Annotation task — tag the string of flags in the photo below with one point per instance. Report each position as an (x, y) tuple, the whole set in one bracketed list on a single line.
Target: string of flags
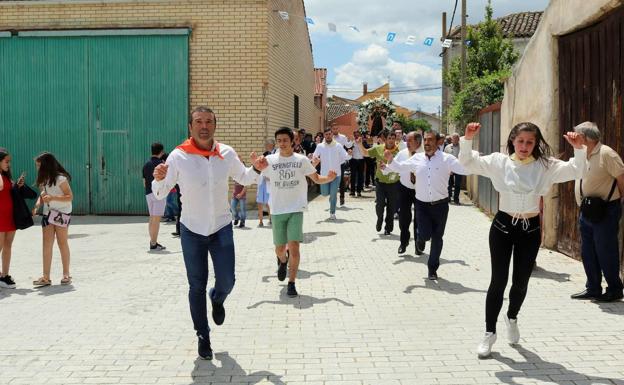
[(391, 37)]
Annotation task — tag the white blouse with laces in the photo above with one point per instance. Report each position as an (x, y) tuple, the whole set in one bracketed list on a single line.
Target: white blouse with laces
[(521, 183)]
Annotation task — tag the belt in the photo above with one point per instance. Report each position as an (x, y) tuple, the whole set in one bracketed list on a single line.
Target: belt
[(445, 200)]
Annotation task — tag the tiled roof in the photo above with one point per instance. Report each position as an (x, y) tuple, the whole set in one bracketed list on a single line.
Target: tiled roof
[(338, 106), (516, 25), (320, 79)]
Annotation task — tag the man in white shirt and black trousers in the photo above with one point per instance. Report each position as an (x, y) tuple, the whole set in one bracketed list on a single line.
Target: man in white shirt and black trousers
[(407, 190), (432, 169), (201, 167), (347, 145)]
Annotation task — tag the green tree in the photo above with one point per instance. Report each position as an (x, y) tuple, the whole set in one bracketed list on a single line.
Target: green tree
[(490, 57), (410, 125)]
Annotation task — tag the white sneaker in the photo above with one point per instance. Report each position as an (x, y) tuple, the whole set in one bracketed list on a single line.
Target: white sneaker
[(513, 333), (485, 347), (332, 217)]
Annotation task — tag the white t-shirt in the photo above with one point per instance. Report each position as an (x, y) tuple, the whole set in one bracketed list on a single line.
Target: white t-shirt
[(287, 178), (332, 155), (55, 191)]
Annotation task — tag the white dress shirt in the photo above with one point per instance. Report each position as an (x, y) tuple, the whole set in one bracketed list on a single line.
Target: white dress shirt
[(343, 140), (402, 144), (332, 156), (432, 174), (404, 176), (204, 187), (521, 183)]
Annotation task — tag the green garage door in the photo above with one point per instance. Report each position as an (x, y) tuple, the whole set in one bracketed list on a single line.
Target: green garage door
[(97, 102)]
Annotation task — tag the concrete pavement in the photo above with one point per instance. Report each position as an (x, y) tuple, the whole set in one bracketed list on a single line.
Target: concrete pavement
[(365, 315)]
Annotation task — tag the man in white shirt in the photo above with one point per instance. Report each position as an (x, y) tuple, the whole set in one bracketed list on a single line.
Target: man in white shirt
[(455, 180), (331, 155), (356, 164), (347, 144), (407, 190), (287, 173), (397, 127), (431, 169), (201, 167)]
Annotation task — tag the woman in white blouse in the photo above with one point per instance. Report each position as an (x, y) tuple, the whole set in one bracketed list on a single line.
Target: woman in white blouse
[(521, 177)]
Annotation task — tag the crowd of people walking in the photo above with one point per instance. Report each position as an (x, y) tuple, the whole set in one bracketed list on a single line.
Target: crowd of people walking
[(415, 176)]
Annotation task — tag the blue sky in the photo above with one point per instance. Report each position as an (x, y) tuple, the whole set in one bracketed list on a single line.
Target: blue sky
[(353, 57)]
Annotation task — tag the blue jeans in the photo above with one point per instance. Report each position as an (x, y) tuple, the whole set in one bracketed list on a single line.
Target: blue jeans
[(431, 221), (239, 209), (195, 248), (331, 189), (599, 250)]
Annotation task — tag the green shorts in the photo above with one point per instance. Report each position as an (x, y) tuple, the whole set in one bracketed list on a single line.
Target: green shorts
[(287, 228)]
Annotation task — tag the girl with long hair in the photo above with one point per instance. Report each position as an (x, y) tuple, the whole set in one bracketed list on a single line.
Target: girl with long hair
[(7, 224), (522, 176), (56, 197)]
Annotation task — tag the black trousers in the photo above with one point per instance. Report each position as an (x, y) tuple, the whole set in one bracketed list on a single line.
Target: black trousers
[(407, 203), (357, 175), (369, 176), (507, 236), (341, 189), (431, 224), (386, 195), (454, 187)]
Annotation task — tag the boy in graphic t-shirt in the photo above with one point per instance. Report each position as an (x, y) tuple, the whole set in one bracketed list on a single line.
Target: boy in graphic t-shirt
[(287, 173)]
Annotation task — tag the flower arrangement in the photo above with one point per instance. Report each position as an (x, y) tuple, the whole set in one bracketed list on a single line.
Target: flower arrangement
[(374, 108)]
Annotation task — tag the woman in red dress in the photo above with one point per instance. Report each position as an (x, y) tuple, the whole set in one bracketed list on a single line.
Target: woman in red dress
[(7, 225)]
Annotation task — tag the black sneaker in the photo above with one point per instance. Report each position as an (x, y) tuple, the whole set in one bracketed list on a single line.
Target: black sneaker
[(292, 291), (176, 234), (242, 224), (157, 247), (433, 275), (282, 268), (379, 224), (235, 222), (204, 350), (218, 313), (359, 195), (7, 282)]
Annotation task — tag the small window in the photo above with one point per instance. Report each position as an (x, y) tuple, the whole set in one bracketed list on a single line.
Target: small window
[(296, 112)]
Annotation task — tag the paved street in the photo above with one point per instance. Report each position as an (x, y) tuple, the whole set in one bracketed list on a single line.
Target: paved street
[(365, 315)]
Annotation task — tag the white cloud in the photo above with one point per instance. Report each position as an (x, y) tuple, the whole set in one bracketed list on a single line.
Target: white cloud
[(374, 65)]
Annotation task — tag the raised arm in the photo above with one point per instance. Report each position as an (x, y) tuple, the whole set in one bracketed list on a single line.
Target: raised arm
[(574, 168), (247, 175), (165, 177), (470, 160)]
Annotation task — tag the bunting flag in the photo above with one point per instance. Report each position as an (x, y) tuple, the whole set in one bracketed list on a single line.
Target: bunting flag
[(391, 37)]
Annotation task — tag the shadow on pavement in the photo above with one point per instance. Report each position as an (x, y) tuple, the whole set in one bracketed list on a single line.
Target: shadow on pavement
[(301, 274), (55, 289), (345, 208), (314, 235), (76, 236), (612, 307), (382, 237), (442, 284), (206, 372), (299, 302), (508, 377), (6, 293), (337, 220), (540, 272), (423, 259)]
